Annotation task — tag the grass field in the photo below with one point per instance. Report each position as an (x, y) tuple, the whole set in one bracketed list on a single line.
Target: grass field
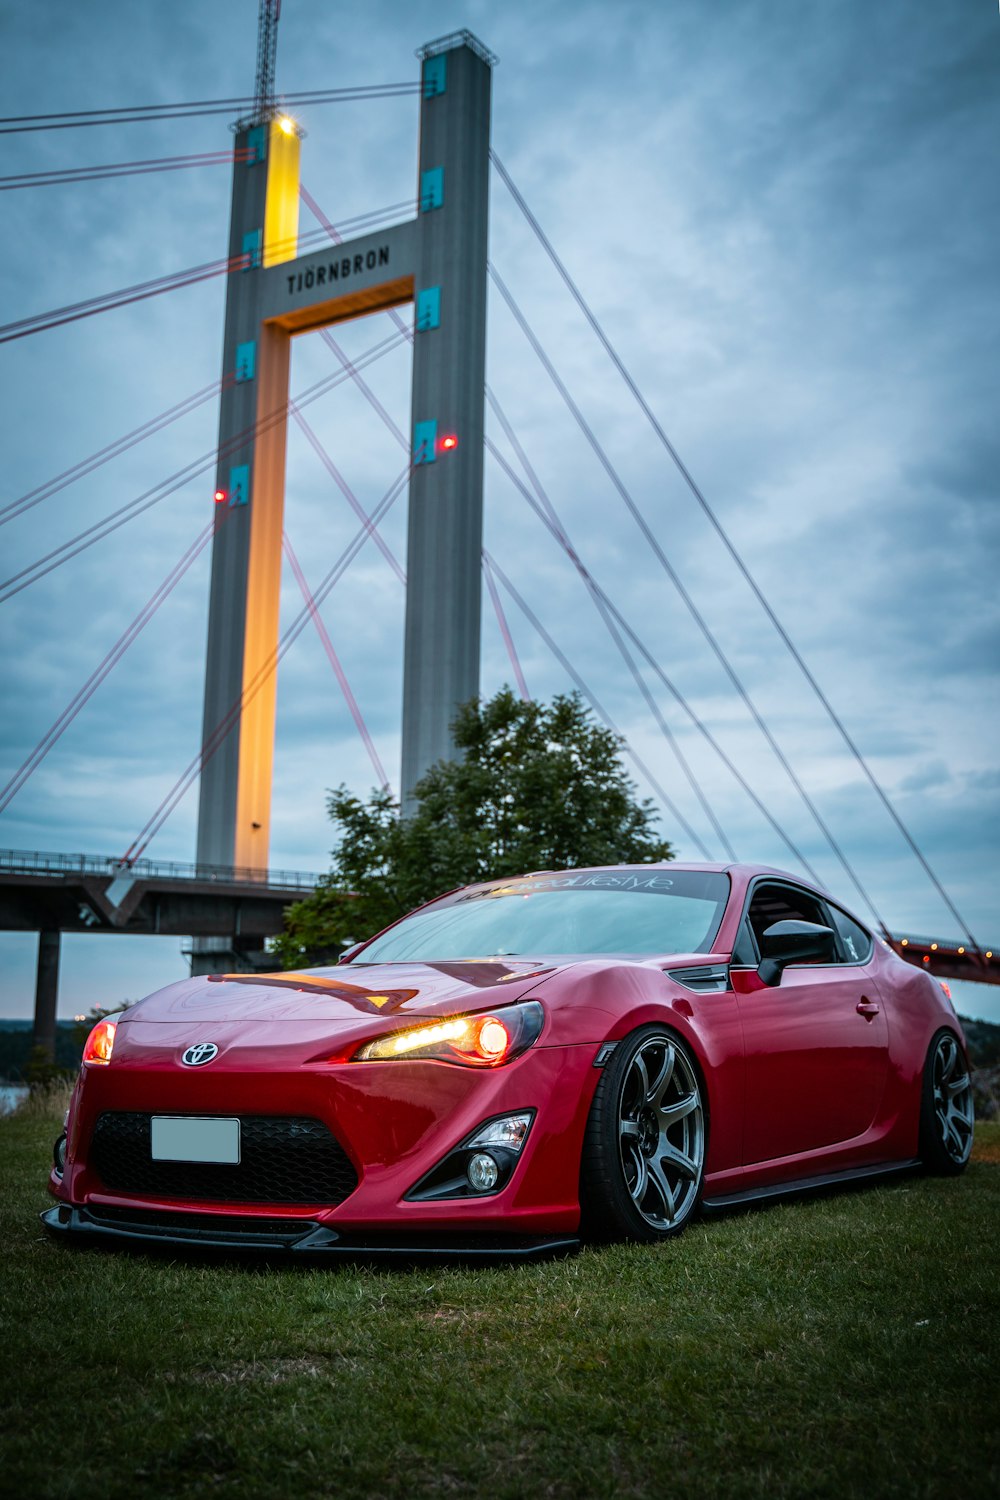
[(837, 1347)]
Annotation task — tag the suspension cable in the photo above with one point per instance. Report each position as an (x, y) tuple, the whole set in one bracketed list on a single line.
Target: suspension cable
[(559, 531), (97, 532), (142, 113), (263, 674), (103, 455), (174, 280), (377, 537), (655, 667), (59, 175), (322, 219), (318, 214), (55, 732), (674, 577), (39, 322), (595, 704), (346, 490), (494, 596), (101, 529), (393, 428), (335, 662), (362, 384), (730, 547), (508, 639)]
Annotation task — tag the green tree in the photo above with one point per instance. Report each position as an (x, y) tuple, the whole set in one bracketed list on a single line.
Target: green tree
[(536, 787)]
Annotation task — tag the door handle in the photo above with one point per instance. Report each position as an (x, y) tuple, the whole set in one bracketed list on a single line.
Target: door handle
[(867, 1008)]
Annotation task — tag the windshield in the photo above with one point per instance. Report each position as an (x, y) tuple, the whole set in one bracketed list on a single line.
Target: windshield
[(626, 911)]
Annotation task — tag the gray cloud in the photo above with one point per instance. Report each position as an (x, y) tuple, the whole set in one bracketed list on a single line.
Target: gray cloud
[(786, 217)]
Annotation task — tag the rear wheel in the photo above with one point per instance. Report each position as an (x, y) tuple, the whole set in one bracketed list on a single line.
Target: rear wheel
[(946, 1109), (644, 1150)]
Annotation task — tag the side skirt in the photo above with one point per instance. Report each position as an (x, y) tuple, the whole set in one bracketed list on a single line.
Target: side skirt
[(805, 1185)]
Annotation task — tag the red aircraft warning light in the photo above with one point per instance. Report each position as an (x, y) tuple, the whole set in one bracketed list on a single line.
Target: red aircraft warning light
[(221, 497), (449, 442)]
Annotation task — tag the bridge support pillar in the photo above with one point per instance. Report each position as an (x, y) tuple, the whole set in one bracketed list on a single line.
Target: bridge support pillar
[(445, 525), (47, 991), (437, 261), (238, 734)]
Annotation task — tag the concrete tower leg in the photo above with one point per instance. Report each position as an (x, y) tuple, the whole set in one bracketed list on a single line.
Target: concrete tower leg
[(238, 726), (231, 547), (445, 536)]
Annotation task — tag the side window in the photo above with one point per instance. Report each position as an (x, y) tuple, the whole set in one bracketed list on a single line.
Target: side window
[(855, 942), (781, 903)]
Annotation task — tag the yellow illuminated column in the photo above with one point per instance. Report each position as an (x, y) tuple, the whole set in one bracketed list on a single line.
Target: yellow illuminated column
[(281, 209), (267, 504)]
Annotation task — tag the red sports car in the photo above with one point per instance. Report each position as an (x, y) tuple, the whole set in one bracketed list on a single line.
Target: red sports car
[(516, 1065)]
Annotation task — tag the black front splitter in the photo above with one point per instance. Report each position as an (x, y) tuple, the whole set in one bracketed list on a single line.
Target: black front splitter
[(298, 1237)]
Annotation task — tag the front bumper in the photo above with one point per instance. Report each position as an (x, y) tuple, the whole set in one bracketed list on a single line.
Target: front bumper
[(299, 1237), (396, 1121)]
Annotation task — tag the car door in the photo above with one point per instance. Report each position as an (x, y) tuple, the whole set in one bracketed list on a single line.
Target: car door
[(817, 1042)]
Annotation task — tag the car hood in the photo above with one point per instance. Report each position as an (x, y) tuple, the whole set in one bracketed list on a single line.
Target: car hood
[(344, 993)]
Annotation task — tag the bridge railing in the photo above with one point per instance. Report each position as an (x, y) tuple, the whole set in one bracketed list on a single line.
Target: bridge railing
[(943, 945), (34, 862)]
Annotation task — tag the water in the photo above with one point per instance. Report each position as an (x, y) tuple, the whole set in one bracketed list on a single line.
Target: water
[(11, 1095), (980, 1002)]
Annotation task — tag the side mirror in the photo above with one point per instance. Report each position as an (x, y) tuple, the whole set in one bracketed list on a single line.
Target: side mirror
[(790, 942), (348, 953)]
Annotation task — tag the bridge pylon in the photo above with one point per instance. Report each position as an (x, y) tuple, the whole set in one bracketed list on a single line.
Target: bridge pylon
[(436, 261)]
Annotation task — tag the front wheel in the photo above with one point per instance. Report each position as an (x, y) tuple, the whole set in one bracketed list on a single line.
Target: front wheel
[(946, 1107), (644, 1150)]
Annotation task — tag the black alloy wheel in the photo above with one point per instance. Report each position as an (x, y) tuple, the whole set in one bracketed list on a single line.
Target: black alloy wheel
[(644, 1151), (946, 1109)]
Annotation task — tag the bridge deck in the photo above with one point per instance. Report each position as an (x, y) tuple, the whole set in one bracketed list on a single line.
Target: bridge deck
[(103, 896)]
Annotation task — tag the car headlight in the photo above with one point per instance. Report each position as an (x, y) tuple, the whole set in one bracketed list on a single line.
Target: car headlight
[(485, 1040), (100, 1042)]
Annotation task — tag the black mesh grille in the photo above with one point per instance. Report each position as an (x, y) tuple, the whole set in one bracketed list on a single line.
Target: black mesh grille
[(283, 1160)]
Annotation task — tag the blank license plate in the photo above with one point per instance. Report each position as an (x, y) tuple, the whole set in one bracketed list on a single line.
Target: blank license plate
[(192, 1139)]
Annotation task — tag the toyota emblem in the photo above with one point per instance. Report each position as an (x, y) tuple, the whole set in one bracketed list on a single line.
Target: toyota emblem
[(199, 1054)]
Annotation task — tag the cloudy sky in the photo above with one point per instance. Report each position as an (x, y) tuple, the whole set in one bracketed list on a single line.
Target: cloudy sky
[(784, 212)]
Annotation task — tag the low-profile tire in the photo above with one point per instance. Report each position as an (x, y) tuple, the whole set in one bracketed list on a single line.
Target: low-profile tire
[(643, 1163), (946, 1107)]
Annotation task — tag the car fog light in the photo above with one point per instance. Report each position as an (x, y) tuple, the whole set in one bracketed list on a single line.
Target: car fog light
[(482, 1172), (59, 1154), (482, 1163)]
